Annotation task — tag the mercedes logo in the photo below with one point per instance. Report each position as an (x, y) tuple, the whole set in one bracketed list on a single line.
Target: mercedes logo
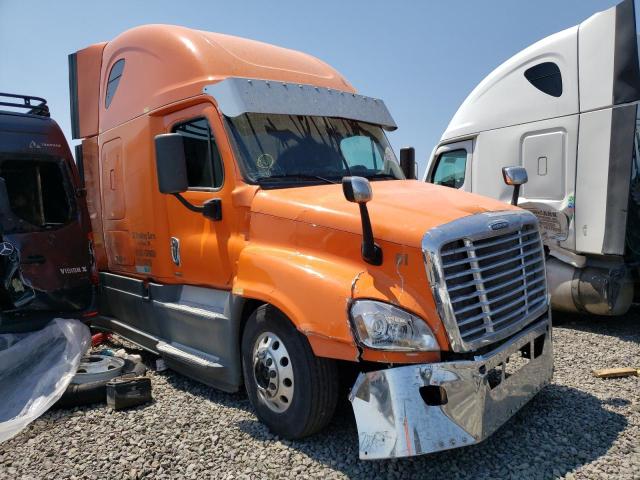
[(6, 249)]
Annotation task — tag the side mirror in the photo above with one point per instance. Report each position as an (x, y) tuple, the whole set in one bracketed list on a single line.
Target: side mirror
[(171, 167), (358, 190), (171, 164), (515, 176), (408, 162)]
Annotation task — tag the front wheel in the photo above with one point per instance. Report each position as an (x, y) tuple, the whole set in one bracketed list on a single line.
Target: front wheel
[(292, 391)]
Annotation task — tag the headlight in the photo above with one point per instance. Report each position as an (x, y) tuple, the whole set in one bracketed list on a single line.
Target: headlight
[(385, 327)]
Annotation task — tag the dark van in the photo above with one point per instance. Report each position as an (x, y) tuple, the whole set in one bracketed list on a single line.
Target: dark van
[(44, 218)]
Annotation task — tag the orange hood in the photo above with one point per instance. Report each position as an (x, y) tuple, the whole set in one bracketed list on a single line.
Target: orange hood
[(401, 211)]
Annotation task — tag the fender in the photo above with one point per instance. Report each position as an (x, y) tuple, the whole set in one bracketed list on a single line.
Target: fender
[(312, 292), (320, 310)]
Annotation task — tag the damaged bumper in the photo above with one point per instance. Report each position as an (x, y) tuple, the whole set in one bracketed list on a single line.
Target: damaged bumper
[(418, 409)]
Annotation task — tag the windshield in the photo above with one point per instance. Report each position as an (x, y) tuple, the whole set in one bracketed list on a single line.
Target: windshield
[(287, 150), (38, 192)]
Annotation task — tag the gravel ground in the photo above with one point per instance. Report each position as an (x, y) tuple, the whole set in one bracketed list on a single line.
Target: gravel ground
[(578, 427)]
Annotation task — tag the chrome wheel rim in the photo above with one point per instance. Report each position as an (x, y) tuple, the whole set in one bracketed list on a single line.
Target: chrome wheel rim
[(272, 372), (98, 368)]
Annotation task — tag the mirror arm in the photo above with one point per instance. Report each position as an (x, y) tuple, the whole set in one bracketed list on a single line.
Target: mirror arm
[(516, 194), (371, 252), (189, 205), (211, 209), (515, 176)]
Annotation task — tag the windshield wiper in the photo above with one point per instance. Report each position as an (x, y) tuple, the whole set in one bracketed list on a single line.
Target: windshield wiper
[(299, 176), (382, 176)]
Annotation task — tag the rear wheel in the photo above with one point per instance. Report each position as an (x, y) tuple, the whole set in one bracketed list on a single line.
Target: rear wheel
[(292, 391)]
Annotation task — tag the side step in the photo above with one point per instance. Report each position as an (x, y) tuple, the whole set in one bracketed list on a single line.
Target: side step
[(185, 354)]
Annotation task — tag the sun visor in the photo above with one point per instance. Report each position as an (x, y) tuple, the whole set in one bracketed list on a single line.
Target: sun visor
[(236, 96), (608, 57)]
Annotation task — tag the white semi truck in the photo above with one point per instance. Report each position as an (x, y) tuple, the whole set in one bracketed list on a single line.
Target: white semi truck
[(566, 109)]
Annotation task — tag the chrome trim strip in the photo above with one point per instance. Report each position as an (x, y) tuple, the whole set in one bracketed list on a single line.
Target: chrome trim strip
[(188, 355)]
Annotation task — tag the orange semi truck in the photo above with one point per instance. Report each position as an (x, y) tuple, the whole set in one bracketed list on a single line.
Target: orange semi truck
[(253, 227)]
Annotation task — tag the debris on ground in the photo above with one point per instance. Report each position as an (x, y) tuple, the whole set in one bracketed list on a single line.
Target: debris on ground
[(35, 370), (98, 338), (126, 392), (96, 370), (616, 372)]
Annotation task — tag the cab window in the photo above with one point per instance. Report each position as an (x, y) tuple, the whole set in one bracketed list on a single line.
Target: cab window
[(39, 194), (450, 168), (546, 77), (204, 165), (361, 151), (114, 80)]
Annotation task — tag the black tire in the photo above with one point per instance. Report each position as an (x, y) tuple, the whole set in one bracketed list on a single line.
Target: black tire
[(78, 394), (315, 379)]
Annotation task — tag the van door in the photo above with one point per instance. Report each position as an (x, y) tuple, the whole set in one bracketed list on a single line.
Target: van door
[(48, 231), (197, 246), (451, 165)]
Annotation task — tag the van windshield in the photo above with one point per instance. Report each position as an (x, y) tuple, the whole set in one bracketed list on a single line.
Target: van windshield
[(38, 190), (292, 150)]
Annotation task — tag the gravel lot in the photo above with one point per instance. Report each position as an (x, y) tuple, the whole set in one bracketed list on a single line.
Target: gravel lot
[(578, 427)]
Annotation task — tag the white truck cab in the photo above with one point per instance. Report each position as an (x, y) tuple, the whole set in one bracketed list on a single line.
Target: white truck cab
[(566, 109)]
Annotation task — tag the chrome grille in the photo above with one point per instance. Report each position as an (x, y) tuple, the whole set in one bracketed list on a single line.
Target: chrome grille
[(488, 282)]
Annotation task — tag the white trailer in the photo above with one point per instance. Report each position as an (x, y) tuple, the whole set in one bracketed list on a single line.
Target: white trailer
[(566, 109)]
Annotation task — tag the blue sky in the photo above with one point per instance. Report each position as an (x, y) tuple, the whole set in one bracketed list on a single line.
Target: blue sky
[(421, 57)]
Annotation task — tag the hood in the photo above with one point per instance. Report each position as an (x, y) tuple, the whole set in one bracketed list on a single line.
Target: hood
[(401, 211)]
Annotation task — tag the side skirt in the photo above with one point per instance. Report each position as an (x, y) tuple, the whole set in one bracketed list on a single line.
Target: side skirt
[(191, 328)]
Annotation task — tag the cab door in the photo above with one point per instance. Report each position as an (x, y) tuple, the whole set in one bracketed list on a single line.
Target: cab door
[(451, 165), (197, 246)]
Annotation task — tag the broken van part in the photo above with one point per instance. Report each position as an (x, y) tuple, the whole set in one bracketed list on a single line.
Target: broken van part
[(254, 228), (574, 129)]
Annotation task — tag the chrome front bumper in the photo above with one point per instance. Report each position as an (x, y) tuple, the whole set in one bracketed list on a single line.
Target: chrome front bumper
[(394, 420)]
